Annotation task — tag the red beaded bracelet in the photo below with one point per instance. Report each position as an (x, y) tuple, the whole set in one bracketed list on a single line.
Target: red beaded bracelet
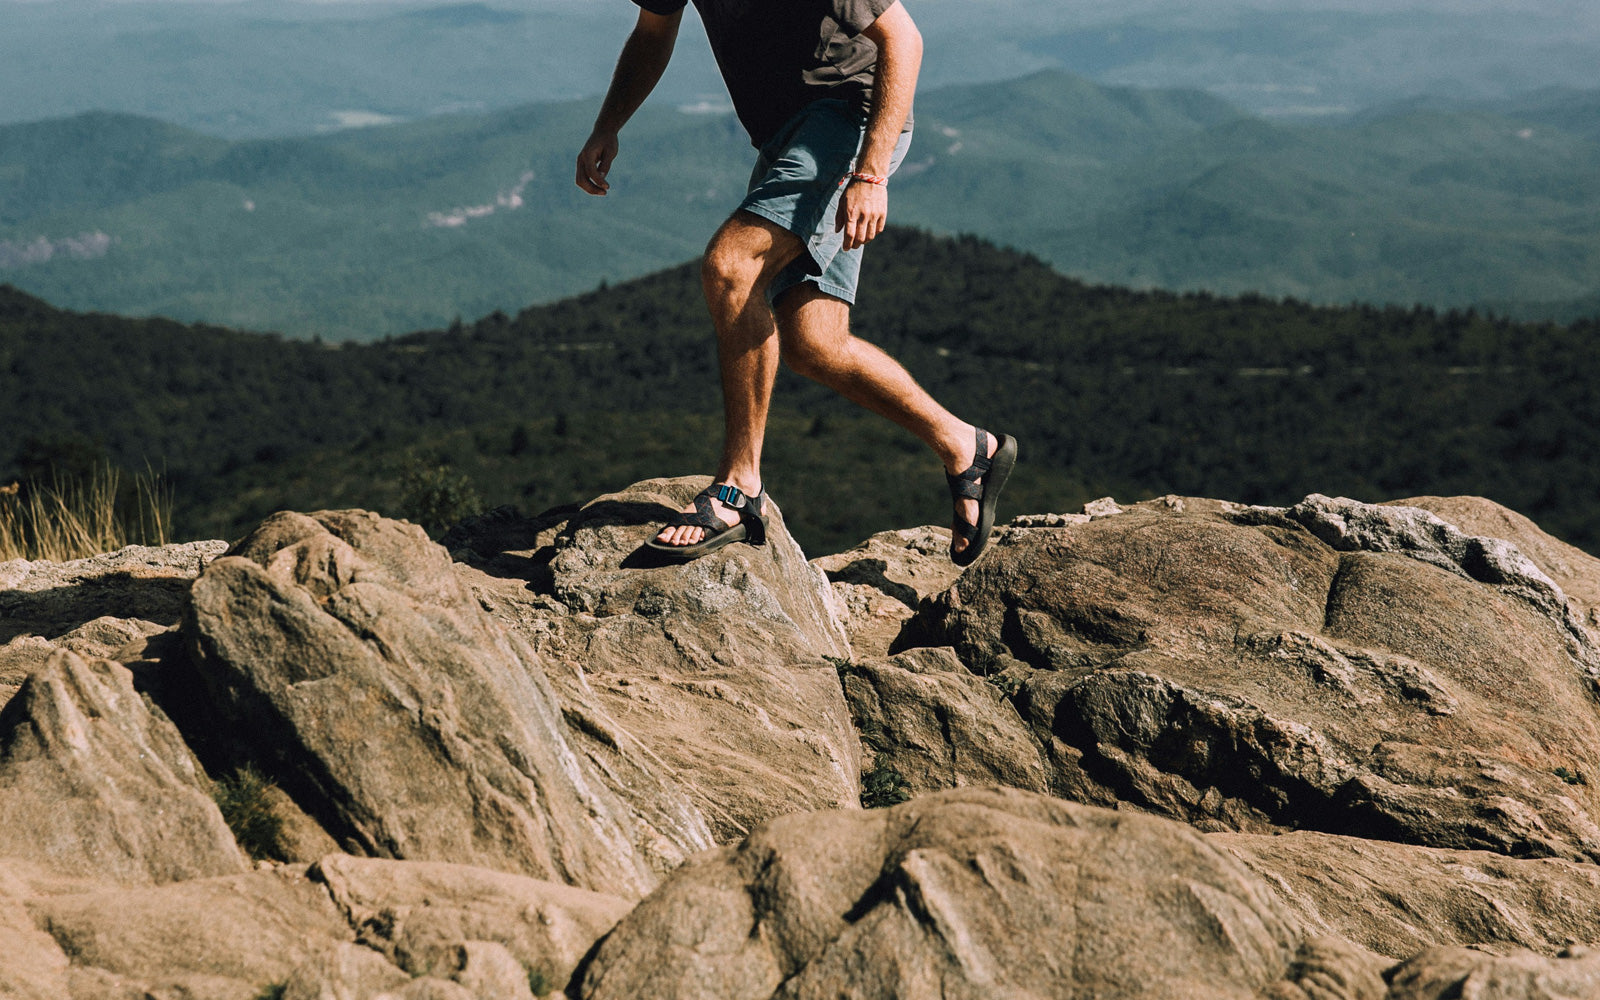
[(868, 178)]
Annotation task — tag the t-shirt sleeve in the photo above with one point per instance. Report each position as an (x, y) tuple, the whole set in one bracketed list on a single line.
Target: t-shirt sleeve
[(855, 16), (662, 6)]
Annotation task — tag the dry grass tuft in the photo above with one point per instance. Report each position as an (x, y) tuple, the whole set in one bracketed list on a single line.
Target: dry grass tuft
[(76, 518)]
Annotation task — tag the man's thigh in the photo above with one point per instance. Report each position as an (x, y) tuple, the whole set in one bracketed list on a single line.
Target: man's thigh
[(748, 239)]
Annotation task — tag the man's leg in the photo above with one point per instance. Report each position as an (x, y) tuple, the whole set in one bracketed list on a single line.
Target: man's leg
[(742, 258), (814, 333)]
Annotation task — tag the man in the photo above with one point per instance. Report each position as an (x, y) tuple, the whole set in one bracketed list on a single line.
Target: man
[(824, 88)]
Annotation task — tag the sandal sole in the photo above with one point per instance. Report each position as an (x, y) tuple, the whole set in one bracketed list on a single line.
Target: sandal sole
[(1004, 460)]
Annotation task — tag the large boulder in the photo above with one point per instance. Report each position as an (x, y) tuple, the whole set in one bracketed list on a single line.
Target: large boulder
[(972, 893), (208, 939), (1399, 899), (1355, 669), (345, 654), (716, 675), (96, 782), (424, 916)]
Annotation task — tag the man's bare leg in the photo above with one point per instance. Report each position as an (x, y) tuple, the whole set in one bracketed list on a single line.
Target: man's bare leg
[(814, 333), (743, 257)]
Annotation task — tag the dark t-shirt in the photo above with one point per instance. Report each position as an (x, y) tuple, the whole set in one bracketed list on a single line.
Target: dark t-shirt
[(777, 56)]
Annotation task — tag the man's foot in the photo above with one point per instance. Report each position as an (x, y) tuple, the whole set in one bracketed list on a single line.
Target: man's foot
[(718, 515), (975, 492)]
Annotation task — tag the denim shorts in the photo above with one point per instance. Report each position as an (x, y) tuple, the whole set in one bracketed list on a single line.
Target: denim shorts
[(798, 184)]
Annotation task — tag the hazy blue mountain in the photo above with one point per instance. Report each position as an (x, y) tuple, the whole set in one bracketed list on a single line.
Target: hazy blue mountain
[(372, 231), (270, 67)]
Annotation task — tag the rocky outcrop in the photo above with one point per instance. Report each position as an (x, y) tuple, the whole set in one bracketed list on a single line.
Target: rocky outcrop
[(1340, 742), (1354, 669), (148, 584), (204, 938), (346, 653), (967, 893), (95, 782), (715, 676)]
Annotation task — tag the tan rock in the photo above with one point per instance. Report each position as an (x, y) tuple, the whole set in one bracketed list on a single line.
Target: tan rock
[(422, 914), (150, 584), (1398, 899), (968, 893), (208, 938), (1575, 571), (924, 717), (1361, 670), (880, 582), (713, 677), (95, 782), (347, 654), (346, 972), (1451, 973), (32, 965)]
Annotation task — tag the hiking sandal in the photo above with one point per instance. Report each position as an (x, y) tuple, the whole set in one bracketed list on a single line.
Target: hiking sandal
[(993, 470), (752, 526)]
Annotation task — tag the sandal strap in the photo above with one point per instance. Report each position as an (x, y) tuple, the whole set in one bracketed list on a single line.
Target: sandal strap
[(965, 486), (704, 516)]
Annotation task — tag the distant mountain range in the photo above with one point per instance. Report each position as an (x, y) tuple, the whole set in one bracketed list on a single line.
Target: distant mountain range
[(263, 68), (380, 230)]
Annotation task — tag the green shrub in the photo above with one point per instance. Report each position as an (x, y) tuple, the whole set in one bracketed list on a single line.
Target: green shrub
[(436, 496), (245, 800), (883, 786)]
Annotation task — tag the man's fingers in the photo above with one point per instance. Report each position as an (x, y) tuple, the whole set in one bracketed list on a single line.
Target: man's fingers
[(594, 163)]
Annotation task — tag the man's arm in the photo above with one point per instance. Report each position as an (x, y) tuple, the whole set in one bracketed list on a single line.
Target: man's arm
[(865, 207), (644, 58)]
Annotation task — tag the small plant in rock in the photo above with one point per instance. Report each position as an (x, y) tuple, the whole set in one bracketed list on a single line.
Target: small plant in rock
[(883, 786), (245, 800), (436, 496), (1007, 684), (1570, 777), (539, 982), (273, 991)]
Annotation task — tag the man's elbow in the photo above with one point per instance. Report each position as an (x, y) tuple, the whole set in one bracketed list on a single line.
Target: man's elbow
[(896, 32)]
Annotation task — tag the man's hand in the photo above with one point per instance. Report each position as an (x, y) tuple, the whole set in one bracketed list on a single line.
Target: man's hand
[(595, 161), (863, 212)]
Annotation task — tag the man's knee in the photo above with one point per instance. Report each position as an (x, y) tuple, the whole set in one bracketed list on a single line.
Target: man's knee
[(813, 330), (728, 266), (746, 253)]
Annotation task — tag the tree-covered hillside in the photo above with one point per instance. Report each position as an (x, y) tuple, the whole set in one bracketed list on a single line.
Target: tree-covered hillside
[(1110, 391), (384, 230)]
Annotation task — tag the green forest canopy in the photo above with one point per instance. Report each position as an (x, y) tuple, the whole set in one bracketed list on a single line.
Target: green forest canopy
[(1111, 391)]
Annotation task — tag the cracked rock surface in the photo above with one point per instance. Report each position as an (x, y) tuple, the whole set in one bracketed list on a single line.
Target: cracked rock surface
[(1349, 668), (967, 893)]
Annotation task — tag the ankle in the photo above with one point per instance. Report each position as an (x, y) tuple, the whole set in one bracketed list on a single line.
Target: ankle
[(956, 448), (748, 484)]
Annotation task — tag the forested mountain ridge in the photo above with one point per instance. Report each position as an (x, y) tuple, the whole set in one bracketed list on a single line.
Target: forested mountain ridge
[(387, 229), (1111, 391)]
